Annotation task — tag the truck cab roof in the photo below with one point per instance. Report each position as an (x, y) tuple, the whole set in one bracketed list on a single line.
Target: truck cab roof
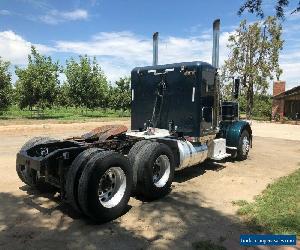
[(189, 65)]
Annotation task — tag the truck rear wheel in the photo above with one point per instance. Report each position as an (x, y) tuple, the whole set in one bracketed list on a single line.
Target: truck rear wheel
[(74, 175), (30, 176), (244, 146), (156, 166), (132, 156), (105, 186)]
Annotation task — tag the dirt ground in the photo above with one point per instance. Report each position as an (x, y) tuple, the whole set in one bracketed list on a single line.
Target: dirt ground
[(198, 208)]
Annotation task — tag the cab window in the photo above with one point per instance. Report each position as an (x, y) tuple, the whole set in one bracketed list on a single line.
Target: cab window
[(208, 80)]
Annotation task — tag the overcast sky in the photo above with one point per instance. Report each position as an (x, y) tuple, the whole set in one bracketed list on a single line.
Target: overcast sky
[(119, 32)]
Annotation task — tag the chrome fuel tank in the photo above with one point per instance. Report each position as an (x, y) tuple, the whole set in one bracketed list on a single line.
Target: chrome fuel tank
[(191, 153)]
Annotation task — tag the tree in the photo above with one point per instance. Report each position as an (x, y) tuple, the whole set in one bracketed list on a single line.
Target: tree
[(87, 84), (5, 85), (254, 57), (37, 84), (255, 6), (63, 95), (121, 95), (262, 106)]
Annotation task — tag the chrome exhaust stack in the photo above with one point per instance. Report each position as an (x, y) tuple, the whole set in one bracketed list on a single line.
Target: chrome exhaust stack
[(155, 48), (216, 35)]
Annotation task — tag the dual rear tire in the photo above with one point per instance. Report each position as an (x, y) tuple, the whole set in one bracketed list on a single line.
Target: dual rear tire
[(99, 184), (153, 169)]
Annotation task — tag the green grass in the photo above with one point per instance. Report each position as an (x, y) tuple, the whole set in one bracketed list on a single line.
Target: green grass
[(61, 113), (255, 117), (277, 209), (239, 203)]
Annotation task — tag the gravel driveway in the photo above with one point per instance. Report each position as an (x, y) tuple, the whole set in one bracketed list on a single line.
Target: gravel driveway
[(198, 208)]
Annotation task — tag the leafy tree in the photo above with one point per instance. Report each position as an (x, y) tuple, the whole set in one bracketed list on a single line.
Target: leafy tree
[(5, 85), (86, 82), (254, 57), (110, 97), (121, 94), (38, 82), (226, 84), (63, 96), (262, 106), (262, 103), (255, 6)]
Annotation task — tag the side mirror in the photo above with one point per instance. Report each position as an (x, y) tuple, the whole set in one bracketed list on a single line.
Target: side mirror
[(236, 88)]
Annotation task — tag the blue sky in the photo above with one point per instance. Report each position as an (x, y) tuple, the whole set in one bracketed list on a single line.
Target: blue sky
[(119, 32)]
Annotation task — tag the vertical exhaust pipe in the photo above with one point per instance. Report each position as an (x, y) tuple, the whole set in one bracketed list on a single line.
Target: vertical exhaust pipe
[(216, 35), (155, 48)]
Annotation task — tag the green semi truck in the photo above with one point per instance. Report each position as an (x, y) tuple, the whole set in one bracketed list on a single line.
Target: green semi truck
[(178, 120)]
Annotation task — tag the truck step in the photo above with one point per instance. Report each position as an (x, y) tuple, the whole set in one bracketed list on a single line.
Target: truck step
[(220, 156)]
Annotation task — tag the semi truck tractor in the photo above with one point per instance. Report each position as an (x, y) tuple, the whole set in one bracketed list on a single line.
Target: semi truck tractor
[(178, 120)]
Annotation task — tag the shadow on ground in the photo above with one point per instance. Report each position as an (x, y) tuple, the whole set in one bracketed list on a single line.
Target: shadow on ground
[(178, 221), (198, 170)]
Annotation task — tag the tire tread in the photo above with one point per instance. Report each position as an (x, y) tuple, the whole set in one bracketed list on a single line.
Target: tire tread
[(74, 175), (143, 158), (86, 178)]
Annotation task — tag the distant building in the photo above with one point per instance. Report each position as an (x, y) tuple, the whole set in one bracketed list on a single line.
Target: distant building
[(285, 103)]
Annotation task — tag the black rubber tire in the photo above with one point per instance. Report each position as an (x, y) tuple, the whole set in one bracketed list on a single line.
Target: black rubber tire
[(240, 154), (132, 156), (30, 176), (20, 173), (35, 141), (89, 183), (144, 162), (74, 175)]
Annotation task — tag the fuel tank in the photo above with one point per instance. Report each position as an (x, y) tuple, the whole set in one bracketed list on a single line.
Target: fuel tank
[(191, 154)]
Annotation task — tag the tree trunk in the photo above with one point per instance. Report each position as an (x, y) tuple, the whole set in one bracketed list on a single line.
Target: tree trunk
[(249, 108)]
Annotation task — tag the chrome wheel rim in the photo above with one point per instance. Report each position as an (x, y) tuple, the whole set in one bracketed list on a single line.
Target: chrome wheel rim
[(112, 186), (245, 146), (161, 171)]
